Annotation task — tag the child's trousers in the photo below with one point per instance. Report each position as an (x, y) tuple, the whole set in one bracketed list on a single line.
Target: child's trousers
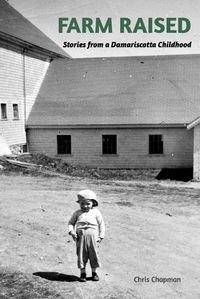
[(87, 247)]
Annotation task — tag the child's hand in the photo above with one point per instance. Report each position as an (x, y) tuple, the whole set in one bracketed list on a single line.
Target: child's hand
[(74, 235), (99, 240)]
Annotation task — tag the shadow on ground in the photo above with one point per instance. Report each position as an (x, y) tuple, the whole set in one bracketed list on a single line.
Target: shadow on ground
[(56, 276), (178, 174)]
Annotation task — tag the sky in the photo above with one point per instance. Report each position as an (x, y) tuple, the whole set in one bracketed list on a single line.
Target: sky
[(45, 14)]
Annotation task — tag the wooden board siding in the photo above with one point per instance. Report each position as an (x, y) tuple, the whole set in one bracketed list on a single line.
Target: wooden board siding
[(34, 75), (132, 147), (12, 90), (196, 154)]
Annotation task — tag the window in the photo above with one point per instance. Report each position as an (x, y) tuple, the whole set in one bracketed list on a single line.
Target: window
[(155, 144), (3, 111), (15, 111), (109, 144), (63, 144)]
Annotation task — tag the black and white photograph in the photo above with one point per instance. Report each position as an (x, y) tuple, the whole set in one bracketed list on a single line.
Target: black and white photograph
[(99, 149)]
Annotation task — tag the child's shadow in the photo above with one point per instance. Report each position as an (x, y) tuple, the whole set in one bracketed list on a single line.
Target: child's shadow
[(56, 276)]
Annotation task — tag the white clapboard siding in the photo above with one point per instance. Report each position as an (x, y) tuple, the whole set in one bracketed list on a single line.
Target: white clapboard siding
[(132, 147), (35, 73), (196, 155), (13, 72)]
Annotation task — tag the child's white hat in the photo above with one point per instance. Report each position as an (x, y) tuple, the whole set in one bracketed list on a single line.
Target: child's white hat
[(88, 194)]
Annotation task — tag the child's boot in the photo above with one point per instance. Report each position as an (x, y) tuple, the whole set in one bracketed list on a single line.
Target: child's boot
[(82, 277), (95, 277)]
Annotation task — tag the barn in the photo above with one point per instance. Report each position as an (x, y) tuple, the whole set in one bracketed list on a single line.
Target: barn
[(126, 112)]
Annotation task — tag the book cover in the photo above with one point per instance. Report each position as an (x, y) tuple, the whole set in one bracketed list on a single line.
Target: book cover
[(101, 96)]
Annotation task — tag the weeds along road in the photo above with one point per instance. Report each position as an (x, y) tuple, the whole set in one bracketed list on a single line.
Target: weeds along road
[(152, 234)]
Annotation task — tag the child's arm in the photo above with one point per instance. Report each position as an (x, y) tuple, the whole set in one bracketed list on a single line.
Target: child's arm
[(71, 225), (101, 225)]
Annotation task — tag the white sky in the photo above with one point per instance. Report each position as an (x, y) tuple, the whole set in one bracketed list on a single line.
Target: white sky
[(45, 13)]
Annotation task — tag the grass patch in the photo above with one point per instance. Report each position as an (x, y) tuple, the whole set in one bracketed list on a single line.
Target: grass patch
[(17, 285)]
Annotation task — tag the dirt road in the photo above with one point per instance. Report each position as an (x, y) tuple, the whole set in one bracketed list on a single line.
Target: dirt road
[(152, 234)]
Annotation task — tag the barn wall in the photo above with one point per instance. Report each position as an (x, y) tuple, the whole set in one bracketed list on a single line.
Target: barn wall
[(16, 70), (132, 147), (196, 155)]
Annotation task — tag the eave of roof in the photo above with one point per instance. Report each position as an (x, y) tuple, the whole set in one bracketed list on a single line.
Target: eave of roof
[(16, 44), (106, 126), (16, 28)]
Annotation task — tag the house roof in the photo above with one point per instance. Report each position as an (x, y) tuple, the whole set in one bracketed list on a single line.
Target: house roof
[(14, 25), (160, 90)]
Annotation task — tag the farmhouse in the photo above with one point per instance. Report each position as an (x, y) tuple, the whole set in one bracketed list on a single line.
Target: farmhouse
[(25, 54), (128, 112)]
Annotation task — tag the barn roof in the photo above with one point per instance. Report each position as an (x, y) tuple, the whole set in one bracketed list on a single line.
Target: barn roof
[(14, 25), (160, 90)]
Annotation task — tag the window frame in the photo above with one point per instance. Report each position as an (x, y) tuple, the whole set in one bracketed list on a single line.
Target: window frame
[(109, 149), (156, 147), (5, 111), (15, 117), (64, 144)]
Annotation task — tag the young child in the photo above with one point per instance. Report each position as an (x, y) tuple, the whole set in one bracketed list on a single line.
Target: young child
[(86, 226)]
